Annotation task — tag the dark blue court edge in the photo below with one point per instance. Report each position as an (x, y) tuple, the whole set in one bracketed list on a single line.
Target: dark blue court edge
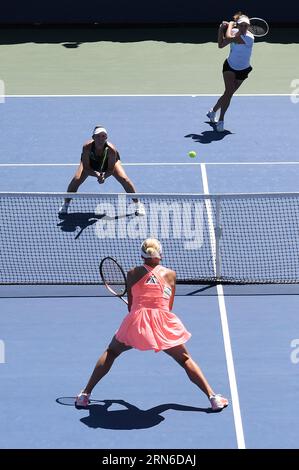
[(146, 458)]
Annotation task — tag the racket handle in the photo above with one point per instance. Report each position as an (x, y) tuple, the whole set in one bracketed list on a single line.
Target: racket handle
[(101, 176)]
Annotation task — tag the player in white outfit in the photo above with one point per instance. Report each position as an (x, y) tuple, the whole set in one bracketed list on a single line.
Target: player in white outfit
[(237, 66)]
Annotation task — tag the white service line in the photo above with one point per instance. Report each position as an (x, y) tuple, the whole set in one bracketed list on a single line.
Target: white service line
[(224, 324), (154, 164), (192, 95), (38, 164), (107, 96)]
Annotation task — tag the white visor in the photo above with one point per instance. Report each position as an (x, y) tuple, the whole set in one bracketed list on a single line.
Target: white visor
[(98, 130), (243, 19)]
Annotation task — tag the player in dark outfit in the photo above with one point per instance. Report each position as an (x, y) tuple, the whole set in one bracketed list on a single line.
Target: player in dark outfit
[(100, 159)]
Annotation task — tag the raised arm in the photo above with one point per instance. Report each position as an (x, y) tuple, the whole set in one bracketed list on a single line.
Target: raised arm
[(221, 35), (232, 36), (226, 35)]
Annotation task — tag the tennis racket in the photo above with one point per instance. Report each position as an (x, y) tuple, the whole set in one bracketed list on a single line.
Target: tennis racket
[(258, 27), (70, 401), (103, 163), (113, 277)]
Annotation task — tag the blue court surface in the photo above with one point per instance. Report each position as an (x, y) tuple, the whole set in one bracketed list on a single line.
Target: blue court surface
[(245, 341)]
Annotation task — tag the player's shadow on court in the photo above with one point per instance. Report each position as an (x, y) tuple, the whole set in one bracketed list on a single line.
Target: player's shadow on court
[(130, 417), (81, 220), (206, 137)]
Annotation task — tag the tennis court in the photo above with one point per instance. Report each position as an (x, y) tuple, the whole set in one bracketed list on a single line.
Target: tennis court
[(243, 337)]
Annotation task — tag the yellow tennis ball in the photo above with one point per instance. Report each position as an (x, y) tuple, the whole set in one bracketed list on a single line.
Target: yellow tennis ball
[(192, 154)]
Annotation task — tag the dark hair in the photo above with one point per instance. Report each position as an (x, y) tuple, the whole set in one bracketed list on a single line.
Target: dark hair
[(238, 14)]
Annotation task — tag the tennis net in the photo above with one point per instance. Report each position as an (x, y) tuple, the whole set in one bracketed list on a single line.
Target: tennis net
[(244, 238)]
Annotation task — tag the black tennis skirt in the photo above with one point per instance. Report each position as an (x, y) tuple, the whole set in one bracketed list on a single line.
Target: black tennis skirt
[(240, 74)]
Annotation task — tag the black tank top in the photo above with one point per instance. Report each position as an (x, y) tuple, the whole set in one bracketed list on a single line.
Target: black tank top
[(100, 162)]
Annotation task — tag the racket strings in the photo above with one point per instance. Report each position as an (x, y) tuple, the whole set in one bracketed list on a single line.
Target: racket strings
[(113, 276), (258, 27), (257, 30)]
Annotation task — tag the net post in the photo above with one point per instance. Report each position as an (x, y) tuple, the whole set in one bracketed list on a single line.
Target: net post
[(218, 233)]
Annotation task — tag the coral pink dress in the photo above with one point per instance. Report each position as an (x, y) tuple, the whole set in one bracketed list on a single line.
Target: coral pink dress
[(150, 324)]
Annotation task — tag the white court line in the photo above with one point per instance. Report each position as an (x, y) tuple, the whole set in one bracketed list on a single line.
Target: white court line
[(192, 95), (38, 164), (2, 352), (225, 328), (155, 164)]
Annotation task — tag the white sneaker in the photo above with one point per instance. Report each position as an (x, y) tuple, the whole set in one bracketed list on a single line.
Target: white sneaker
[(220, 126), (212, 116), (218, 402), (64, 208), (139, 209), (82, 400)]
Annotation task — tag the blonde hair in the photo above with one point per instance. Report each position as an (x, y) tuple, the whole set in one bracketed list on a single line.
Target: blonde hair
[(238, 15), (151, 248)]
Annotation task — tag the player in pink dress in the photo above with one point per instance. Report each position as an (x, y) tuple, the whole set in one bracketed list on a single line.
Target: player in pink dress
[(150, 324)]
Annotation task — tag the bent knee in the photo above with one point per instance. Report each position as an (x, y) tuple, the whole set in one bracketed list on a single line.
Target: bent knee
[(184, 358), (228, 94), (76, 180), (123, 179), (81, 175), (115, 348), (181, 359), (112, 352)]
